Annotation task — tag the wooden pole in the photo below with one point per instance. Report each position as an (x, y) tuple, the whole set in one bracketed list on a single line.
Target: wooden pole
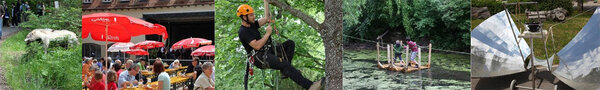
[(105, 50), (377, 52), (391, 54), (407, 62), (388, 54), (429, 56), (419, 53)]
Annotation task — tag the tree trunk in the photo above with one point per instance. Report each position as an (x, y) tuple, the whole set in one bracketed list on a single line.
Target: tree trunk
[(332, 38), (331, 33)]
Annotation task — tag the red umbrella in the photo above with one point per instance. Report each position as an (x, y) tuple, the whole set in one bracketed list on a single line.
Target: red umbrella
[(191, 43), (117, 28), (147, 45), (137, 52), (120, 47), (208, 50)]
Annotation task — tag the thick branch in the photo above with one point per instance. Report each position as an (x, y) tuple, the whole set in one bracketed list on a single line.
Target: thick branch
[(303, 16), (314, 59)]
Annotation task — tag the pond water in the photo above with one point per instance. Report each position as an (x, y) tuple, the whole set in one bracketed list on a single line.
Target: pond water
[(448, 71)]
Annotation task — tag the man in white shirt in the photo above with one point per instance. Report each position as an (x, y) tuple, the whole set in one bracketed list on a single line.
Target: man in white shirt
[(204, 81)]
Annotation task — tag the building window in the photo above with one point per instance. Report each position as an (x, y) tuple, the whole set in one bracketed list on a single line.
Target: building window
[(124, 1), (106, 0), (87, 1)]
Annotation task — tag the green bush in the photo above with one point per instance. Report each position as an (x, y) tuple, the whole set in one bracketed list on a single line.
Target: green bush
[(59, 68), (63, 18), (492, 5)]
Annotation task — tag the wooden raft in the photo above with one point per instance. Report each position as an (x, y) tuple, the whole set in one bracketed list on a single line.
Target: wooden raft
[(397, 65)]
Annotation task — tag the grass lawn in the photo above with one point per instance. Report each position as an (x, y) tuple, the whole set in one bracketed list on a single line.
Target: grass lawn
[(12, 50), (563, 33)]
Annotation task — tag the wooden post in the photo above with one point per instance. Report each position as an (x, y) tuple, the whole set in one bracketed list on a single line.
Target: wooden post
[(392, 55), (407, 62), (419, 55), (388, 52), (377, 52), (429, 56)]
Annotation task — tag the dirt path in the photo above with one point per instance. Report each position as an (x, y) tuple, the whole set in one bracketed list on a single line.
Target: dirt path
[(6, 32)]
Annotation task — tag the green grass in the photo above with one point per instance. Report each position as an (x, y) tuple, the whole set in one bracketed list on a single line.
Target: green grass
[(563, 33), (30, 68), (12, 49)]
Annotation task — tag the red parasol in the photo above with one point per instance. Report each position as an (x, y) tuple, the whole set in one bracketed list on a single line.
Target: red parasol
[(208, 50), (137, 52), (191, 43), (147, 45), (117, 28)]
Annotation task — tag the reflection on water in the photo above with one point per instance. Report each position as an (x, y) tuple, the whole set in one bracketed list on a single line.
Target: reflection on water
[(449, 71)]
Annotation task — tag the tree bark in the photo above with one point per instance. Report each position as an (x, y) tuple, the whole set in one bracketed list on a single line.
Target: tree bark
[(331, 33)]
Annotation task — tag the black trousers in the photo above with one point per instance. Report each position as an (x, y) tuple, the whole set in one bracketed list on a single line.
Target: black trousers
[(15, 20), (283, 62)]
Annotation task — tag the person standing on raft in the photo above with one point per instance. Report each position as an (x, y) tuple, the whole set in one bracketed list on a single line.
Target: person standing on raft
[(398, 48), (414, 48)]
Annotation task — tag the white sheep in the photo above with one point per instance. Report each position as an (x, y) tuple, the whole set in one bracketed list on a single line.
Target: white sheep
[(48, 35)]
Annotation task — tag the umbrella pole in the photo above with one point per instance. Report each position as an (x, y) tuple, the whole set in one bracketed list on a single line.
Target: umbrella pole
[(148, 58), (106, 49)]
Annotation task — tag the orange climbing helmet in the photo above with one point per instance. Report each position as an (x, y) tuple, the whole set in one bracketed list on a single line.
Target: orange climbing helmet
[(244, 9)]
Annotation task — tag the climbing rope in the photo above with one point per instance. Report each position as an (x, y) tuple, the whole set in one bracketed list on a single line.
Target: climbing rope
[(450, 51)]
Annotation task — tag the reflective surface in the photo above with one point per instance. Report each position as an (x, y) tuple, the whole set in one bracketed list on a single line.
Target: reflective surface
[(494, 49), (579, 65)]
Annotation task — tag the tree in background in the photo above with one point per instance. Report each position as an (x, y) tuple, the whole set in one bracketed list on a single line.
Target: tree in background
[(444, 23)]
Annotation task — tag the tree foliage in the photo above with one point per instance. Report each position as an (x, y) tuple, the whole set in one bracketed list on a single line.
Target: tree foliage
[(444, 23), (230, 63)]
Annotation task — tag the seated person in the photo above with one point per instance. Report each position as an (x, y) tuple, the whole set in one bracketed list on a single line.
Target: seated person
[(98, 85), (112, 80), (85, 70), (175, 64), (163, 77), (93, 69), (194, 68), (127, 77), (204, 81), (142, 64)]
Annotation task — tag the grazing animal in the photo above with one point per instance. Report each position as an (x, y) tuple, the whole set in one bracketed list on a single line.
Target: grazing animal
[(48, 35)]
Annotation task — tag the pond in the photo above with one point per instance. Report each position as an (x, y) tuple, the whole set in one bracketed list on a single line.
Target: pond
[(448, 71)]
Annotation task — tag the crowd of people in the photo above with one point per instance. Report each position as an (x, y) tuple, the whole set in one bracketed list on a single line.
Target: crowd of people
[(15, 13), (120, 75), (163, 53)]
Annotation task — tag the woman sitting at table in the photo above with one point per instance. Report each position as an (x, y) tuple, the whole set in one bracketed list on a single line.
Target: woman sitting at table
[(175, 64), (163, 78), (204, 82)]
